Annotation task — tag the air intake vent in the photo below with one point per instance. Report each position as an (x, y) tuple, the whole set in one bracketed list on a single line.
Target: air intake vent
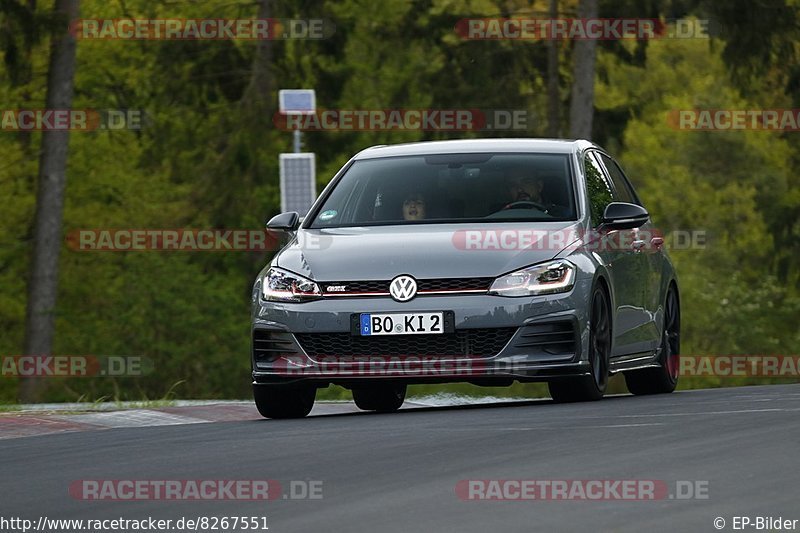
[(269, 345), (551, 338), (484, 342)]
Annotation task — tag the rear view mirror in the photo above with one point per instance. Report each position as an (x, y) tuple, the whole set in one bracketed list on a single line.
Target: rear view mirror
[(622, 215), (284, 222)]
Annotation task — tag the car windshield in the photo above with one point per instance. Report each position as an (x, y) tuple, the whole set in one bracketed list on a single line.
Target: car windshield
[(448, 188)]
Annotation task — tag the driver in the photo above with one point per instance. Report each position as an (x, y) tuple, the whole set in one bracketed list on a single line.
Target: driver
[(525, 186)]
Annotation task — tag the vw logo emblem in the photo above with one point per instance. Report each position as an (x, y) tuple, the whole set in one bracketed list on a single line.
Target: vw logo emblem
[(403, 288)]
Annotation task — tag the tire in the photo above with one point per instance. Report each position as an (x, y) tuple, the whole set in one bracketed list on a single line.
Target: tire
[(664, 379), (386, 399), (593, 386), (281, 401)]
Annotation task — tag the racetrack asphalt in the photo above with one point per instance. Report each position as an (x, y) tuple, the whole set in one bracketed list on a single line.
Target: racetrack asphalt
[(399, 471)]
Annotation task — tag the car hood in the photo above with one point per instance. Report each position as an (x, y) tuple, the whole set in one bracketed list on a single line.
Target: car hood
[(423, 251)]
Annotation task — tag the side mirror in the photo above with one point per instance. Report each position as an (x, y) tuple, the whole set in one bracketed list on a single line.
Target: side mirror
[(622, 215), (284, 222)]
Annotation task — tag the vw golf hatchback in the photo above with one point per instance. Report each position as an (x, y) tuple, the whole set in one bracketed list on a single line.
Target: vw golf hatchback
[(480, 261)]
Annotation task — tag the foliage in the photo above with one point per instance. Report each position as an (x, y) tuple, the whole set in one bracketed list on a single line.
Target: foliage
[(207, 157)]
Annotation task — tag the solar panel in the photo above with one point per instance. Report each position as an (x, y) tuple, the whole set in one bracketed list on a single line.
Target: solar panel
[(297, 101), (298, 182)]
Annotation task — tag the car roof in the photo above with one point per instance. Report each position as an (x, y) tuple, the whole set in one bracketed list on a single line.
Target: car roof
[(552, 146)]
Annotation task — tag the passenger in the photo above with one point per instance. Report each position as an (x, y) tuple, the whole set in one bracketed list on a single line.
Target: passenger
[(414, 206)]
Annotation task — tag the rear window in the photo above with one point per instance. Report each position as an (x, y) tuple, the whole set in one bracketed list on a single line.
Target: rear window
[(451, 188)]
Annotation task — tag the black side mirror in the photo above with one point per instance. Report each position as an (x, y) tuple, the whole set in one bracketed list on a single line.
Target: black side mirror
[(284, 222), (622, 215)]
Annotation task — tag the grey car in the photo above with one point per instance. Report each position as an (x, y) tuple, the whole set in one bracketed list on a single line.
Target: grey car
[(481, 261)]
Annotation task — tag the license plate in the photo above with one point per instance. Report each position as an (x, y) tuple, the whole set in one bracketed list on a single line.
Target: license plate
[(401, 323)]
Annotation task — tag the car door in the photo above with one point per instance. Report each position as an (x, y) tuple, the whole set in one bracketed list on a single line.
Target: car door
[(642, 269), (648, 243), (615, 250)]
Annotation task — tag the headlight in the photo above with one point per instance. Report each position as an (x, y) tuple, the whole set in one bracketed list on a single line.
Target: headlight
[(547, 278), (282, 286)]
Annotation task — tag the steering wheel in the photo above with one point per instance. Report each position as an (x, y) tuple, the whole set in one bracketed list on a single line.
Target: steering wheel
[(525, 204)]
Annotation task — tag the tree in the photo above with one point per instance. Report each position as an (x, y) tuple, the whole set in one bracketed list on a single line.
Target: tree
[(581, 109), (43, 283), (711, 183), (553, 98)]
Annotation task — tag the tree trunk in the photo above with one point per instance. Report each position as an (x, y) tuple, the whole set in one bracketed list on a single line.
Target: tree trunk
[(553, 98), (259, 90), (43, 282), (582, 105)]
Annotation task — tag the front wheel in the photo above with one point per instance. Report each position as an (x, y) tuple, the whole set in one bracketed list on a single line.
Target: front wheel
[(663, 379), (384, 399), (593, 386), (281, 401)]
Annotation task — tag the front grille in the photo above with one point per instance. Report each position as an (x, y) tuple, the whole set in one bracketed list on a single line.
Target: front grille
[(356, 286), (454, 284), (268, 345), (483, 342), (550, 337), (423, 285)]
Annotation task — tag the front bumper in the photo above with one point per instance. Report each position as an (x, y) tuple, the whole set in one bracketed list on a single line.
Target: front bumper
[(524, 357)]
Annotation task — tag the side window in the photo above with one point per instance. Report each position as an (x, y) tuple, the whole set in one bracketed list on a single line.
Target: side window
[(597, 188), (621, 185)]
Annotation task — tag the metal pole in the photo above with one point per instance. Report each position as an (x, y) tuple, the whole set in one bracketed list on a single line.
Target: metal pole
[(297, 140)]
